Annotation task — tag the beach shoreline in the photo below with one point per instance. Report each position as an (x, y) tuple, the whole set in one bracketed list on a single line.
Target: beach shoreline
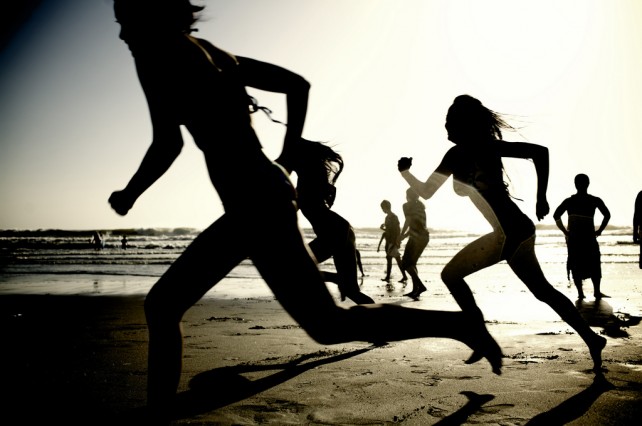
[(81, 359)]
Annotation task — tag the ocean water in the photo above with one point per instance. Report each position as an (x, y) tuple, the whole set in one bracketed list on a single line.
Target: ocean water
[(54, 261)]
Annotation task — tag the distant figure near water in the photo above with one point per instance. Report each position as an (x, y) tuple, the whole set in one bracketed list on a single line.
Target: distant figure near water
[(581, 237), (123, 242), (414, 228), (392, 237), (188, 82), (637, 224), (98, 241), (475, 163)]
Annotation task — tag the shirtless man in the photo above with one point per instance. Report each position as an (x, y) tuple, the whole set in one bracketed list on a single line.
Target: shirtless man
[(581, 236)]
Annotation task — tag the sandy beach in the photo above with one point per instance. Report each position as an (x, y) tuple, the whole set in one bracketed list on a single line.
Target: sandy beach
[(81, 359)]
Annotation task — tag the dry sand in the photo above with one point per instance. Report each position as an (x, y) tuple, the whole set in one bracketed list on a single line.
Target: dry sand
[(81, 360)]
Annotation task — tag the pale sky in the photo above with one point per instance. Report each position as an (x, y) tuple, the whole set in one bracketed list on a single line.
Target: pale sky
[(74, 123)]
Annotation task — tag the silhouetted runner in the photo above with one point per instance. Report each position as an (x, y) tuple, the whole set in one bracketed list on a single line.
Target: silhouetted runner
[(190, 83), (475, 163)]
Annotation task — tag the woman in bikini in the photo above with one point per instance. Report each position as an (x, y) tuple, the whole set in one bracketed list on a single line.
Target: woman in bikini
[(475, 162)]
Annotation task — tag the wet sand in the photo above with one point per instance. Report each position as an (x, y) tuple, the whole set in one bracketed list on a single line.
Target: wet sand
[(81, 359)]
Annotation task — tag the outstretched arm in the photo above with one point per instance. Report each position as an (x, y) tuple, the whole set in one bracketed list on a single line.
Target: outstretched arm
[(539, 155), (429, 187), (272, 78), (166, 145)]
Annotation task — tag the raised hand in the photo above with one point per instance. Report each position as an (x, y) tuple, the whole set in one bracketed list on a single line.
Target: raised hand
[(404, 163), (121, 202), (541, 209)]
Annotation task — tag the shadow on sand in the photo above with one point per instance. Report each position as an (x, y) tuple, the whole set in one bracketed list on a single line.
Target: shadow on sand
[(474, 404), (219, 387), (576, 406), (599, 313)]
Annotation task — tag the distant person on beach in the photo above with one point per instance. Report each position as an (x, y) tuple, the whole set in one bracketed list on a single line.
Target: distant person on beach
[(637, 224), (123, 242), (189, 82), (414, 228), (392, 237), (475, 163), (581, 237), (318, 167), (97, 241)]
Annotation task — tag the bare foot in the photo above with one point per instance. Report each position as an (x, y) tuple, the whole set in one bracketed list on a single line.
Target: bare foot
[(486, 347), (595, 349), (415, 293)]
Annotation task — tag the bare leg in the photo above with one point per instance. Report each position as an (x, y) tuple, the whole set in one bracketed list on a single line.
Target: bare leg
[(344, 256), (404, 277), (388, 268), (580, 291), (295, 280), (526, 266), (412, 253), (184, 283), (479, 254), (596, 288)]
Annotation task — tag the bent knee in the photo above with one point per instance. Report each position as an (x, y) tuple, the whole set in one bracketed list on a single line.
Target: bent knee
[(329, 329), (159, 309), (450, 275)]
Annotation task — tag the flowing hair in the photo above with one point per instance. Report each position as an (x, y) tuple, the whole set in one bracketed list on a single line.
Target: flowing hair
[(475, 120), (469, 120), (318, 167)]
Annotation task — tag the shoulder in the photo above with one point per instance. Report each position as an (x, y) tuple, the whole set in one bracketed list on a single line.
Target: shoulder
[(454, 152), (217, 53)]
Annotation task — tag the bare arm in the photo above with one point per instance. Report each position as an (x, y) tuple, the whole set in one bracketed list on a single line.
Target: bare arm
[(606, 216), (272, 78), (166, 145), (383, 235), (428, 188), (557, 215), (539, 155)]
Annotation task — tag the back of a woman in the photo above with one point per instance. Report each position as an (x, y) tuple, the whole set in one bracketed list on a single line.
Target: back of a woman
[(318, 167)]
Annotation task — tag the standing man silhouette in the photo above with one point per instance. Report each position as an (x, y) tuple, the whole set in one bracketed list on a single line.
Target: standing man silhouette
[(392, 237), (581, 237)]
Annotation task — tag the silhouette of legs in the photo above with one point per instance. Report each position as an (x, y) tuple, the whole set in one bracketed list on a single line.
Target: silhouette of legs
[(479, 254), (294, 278), (397, 258), (343, 253), (597, 281), (412, 253), (580, 291), (526, 266), (486, 251)]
